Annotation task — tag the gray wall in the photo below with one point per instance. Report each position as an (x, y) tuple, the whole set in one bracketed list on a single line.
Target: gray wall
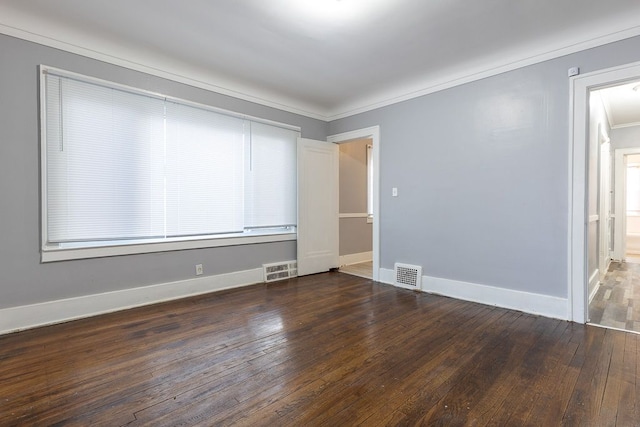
[(23, 279), (482, 175), (356, 235)]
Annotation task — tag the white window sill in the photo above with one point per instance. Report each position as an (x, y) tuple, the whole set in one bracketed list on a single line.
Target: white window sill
[(61, 253)]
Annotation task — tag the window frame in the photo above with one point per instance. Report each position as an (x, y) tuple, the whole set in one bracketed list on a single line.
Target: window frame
[(51, 252)]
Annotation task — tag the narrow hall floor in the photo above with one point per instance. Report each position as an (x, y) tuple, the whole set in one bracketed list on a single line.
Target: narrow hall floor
[(363, 269), (616, 303)]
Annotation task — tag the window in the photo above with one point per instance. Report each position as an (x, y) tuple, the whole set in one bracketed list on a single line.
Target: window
[(123, 168)]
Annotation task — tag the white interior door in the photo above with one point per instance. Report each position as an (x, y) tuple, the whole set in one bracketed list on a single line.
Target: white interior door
[(317, 206)]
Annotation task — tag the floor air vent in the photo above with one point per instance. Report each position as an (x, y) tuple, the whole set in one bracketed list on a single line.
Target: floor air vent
[(408, 276), (280, 271)]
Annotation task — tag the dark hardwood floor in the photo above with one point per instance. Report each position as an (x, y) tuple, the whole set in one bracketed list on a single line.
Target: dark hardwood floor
[(330, 349)]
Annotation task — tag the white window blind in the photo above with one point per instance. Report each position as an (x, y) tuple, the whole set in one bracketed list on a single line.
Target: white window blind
[(104, 163), (271, 191), (124, 165), (204, 172)]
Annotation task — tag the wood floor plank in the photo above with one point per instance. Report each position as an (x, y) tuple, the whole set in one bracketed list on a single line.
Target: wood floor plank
[(593, 358), (329, 349), (614, 381), (628, 405), (555, 374)]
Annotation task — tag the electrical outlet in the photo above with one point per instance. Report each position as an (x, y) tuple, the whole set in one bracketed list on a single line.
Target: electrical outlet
[(199, 270)]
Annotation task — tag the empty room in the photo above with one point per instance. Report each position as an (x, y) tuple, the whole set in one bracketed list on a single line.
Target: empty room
[(319, 212)]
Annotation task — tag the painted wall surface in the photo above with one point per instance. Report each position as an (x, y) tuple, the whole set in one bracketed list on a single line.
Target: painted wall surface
[(23, 279), (482, 175), (356, 235)]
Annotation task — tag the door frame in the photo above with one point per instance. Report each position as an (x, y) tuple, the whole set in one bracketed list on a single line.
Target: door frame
[(579, 89), (372, 133)]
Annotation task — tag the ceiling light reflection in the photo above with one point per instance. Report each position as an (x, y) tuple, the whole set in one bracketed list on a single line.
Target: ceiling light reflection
[(334, 11)]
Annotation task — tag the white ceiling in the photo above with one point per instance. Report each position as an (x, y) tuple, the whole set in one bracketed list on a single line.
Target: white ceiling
[(322, 58), (622, 104)]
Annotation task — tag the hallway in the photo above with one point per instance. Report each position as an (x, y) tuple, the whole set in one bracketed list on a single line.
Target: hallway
[(616, 303), (363, 269)]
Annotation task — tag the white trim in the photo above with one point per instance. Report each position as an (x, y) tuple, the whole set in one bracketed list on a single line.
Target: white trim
[(594, 279), (594, 218), (596, 286), (53, 255), (354, 215), (519, 59), (527, 302), (372, 132), (15, 319), (350, 259), (597, 325), (388, 276), (33, 31), (202, 79), (579, 90), (626, 125)]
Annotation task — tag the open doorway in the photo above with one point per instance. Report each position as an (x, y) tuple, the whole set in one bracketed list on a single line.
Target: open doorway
[(356, 207), (613, 206), (581, 164), (631, 212), (352, 251)]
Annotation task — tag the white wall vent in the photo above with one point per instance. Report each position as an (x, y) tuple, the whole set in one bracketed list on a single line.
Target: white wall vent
[(408, 276), (280, 270)]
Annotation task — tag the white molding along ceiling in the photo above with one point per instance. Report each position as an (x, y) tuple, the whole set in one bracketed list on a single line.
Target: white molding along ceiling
[(325, 59), (622, 104)]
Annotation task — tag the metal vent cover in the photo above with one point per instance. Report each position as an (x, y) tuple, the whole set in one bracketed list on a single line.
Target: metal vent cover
[(280, 271), (408, 276)]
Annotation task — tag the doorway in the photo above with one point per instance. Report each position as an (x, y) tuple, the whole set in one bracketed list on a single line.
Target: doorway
[(355, 207), (610, 285), (359, 203)]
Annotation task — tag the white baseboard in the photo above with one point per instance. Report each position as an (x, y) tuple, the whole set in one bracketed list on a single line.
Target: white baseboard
[(15, 319), (594, 291), (594, 279), (387, 276), (356, 258), (527, 302)]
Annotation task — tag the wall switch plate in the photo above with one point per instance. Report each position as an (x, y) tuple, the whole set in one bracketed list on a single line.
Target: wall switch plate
[(199, 270), (394, 192)]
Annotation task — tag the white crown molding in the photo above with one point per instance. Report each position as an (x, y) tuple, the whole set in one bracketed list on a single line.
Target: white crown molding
[(626, 125), (448, 80), (171, 71), (209, 81)]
